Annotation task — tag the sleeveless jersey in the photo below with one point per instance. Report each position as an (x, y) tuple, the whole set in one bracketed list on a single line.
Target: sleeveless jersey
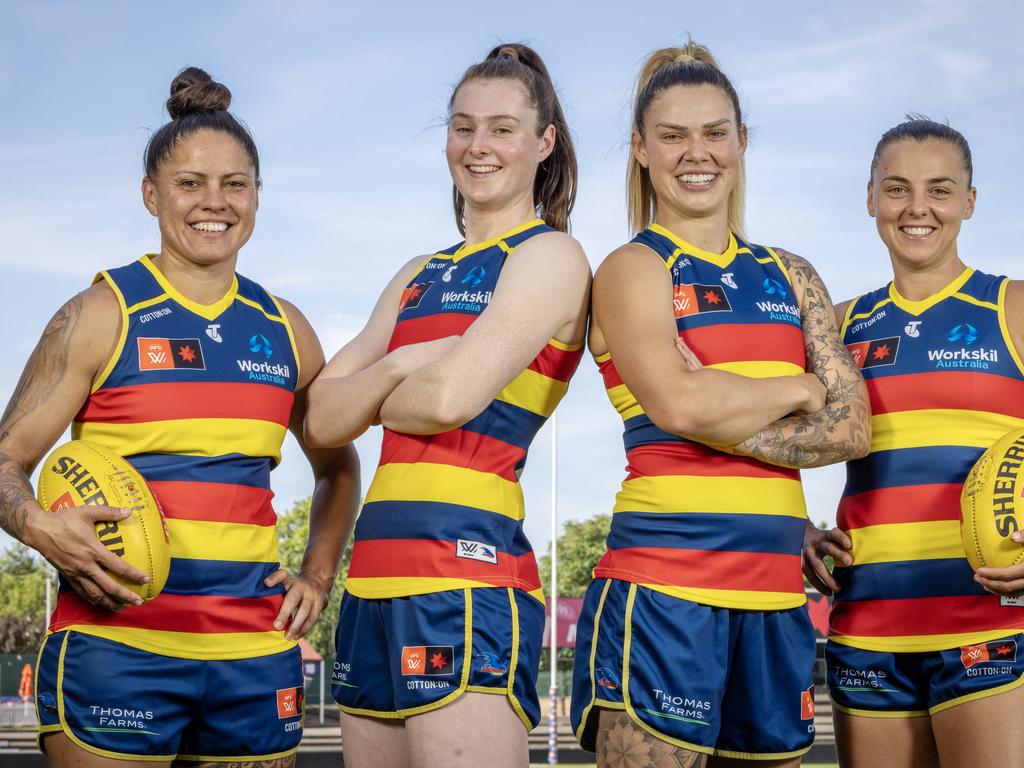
[(197, 398), (692, 521), (945, 383), (445, 511)]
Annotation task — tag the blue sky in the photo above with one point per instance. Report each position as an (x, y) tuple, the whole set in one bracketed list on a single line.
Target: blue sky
[(347, 105)]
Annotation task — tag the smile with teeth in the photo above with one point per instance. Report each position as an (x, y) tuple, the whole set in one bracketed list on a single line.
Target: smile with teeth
[(696, 179), (917, 231), (209, 226), (483, 168)]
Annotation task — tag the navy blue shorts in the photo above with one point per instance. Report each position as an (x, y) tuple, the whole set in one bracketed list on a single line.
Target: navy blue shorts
[(901, 684), (712, 680), (402, 656), (117, 701)]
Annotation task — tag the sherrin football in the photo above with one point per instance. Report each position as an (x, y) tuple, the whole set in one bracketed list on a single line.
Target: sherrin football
[(81, 473), (988, 505)]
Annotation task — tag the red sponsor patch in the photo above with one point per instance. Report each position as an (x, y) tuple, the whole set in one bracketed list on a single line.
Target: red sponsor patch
[(155, 354), (807, 704), (65, 501), (287, 703), (870, 354), (692, 299), (414, 660)]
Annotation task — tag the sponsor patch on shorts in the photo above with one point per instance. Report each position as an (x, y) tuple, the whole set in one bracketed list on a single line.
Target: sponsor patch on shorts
[(428, 660)]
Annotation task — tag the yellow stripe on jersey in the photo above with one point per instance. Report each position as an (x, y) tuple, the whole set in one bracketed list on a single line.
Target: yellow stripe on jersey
[(759, 369), (624, 402), (735, 495), (446, 484), (146, 303), (236, 542), (534, 392), (978, 302), (732, 598), (920, 643), (938, 426), (122, 336), (188, 437), (404, 586), (897, 542), (852, 318), (191, 645)]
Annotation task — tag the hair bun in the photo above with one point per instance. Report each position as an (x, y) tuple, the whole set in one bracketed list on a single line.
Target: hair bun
[(193, 90)]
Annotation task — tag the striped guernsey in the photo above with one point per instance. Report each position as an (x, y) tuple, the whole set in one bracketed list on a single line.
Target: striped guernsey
[(197, 398), (445, 511), (945, 383), (692, 521)]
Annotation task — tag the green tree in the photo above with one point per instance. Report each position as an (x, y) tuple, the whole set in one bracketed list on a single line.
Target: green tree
[(579, 548), (23, 577), (292, 533)]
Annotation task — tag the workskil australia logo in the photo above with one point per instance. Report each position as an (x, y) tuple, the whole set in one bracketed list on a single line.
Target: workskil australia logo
[(964, 355)]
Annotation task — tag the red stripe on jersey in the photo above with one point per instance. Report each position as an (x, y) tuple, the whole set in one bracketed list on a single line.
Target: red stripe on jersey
[(609, 374), (457, 448), (923, 616), (902, 504), (188, 400), (695, 460), (429, 328), (737, 342), (215, 502), (412, 558), (959, 390), (703, 569), (202, 614), (556, 363)]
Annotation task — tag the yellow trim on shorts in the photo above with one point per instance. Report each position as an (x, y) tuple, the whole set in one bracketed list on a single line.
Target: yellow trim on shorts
[(467, 664), (764, 755), (879, 714), (593, 657), (923, 643), (626, 642), (237, 758), (513, 664), (71, 735), (1005, 688)]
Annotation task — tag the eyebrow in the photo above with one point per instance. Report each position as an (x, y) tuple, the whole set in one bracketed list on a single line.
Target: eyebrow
[(676, 127), (936, 180), (486, 117), (205, 175)]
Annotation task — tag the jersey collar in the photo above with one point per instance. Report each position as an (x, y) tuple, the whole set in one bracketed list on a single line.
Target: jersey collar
[(720, 260), (205, 311), (917, 308)]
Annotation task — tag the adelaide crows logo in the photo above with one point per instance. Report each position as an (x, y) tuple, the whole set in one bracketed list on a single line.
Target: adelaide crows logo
[(412, 295)]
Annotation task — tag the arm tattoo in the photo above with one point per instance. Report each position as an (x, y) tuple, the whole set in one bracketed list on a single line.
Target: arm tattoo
[(841, 429), (621, 743), (43, 373)]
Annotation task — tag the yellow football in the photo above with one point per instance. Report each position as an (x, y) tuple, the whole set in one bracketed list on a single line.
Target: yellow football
[(988, 505), (80, 473)]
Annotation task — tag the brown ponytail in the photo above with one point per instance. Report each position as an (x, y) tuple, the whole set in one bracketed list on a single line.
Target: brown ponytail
[(554, 188), (692, 64)]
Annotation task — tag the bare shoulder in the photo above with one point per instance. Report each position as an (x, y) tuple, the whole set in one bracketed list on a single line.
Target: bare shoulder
[(841, 309), (799, 268), (629, 259), (311, 354), (560, 249), (1015, 295)]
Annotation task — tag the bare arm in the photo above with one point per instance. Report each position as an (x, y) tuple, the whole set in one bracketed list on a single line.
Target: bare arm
[(541, 293), (633, 309), (335, 501), (842, 429), (345, 398), (55, 383)]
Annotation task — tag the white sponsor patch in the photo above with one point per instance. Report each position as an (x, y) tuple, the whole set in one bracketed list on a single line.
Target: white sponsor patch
[(1014, 602), (476, 550)]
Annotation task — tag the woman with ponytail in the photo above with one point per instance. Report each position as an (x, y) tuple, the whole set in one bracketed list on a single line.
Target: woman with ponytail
[(150, 363), (466, 354), (722, 358)]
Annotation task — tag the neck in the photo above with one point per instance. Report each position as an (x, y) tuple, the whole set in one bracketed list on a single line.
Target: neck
[(709, 233), (919, 281), (483, 223), (201, 283)]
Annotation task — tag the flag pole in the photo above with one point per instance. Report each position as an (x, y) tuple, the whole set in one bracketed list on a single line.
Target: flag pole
[(553, 659)]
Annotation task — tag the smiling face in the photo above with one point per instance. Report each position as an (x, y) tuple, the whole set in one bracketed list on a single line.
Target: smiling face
[(493, 149), (919, 195), (692, 149), (205, 195)]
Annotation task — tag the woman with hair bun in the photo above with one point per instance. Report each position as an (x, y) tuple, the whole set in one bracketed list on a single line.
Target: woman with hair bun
[(722, 358), (925, 658), (193, 373), (466, 354)]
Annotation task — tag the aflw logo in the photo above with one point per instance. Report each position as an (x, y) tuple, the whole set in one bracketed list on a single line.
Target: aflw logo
[(476, 550)]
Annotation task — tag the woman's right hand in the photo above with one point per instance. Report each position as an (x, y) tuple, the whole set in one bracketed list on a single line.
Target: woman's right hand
[(815, 393), (414, 356)]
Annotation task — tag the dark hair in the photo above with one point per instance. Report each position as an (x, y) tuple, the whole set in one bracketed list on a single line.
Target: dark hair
[(197, 103), (690, 65), (920, 128), (554, 188)]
